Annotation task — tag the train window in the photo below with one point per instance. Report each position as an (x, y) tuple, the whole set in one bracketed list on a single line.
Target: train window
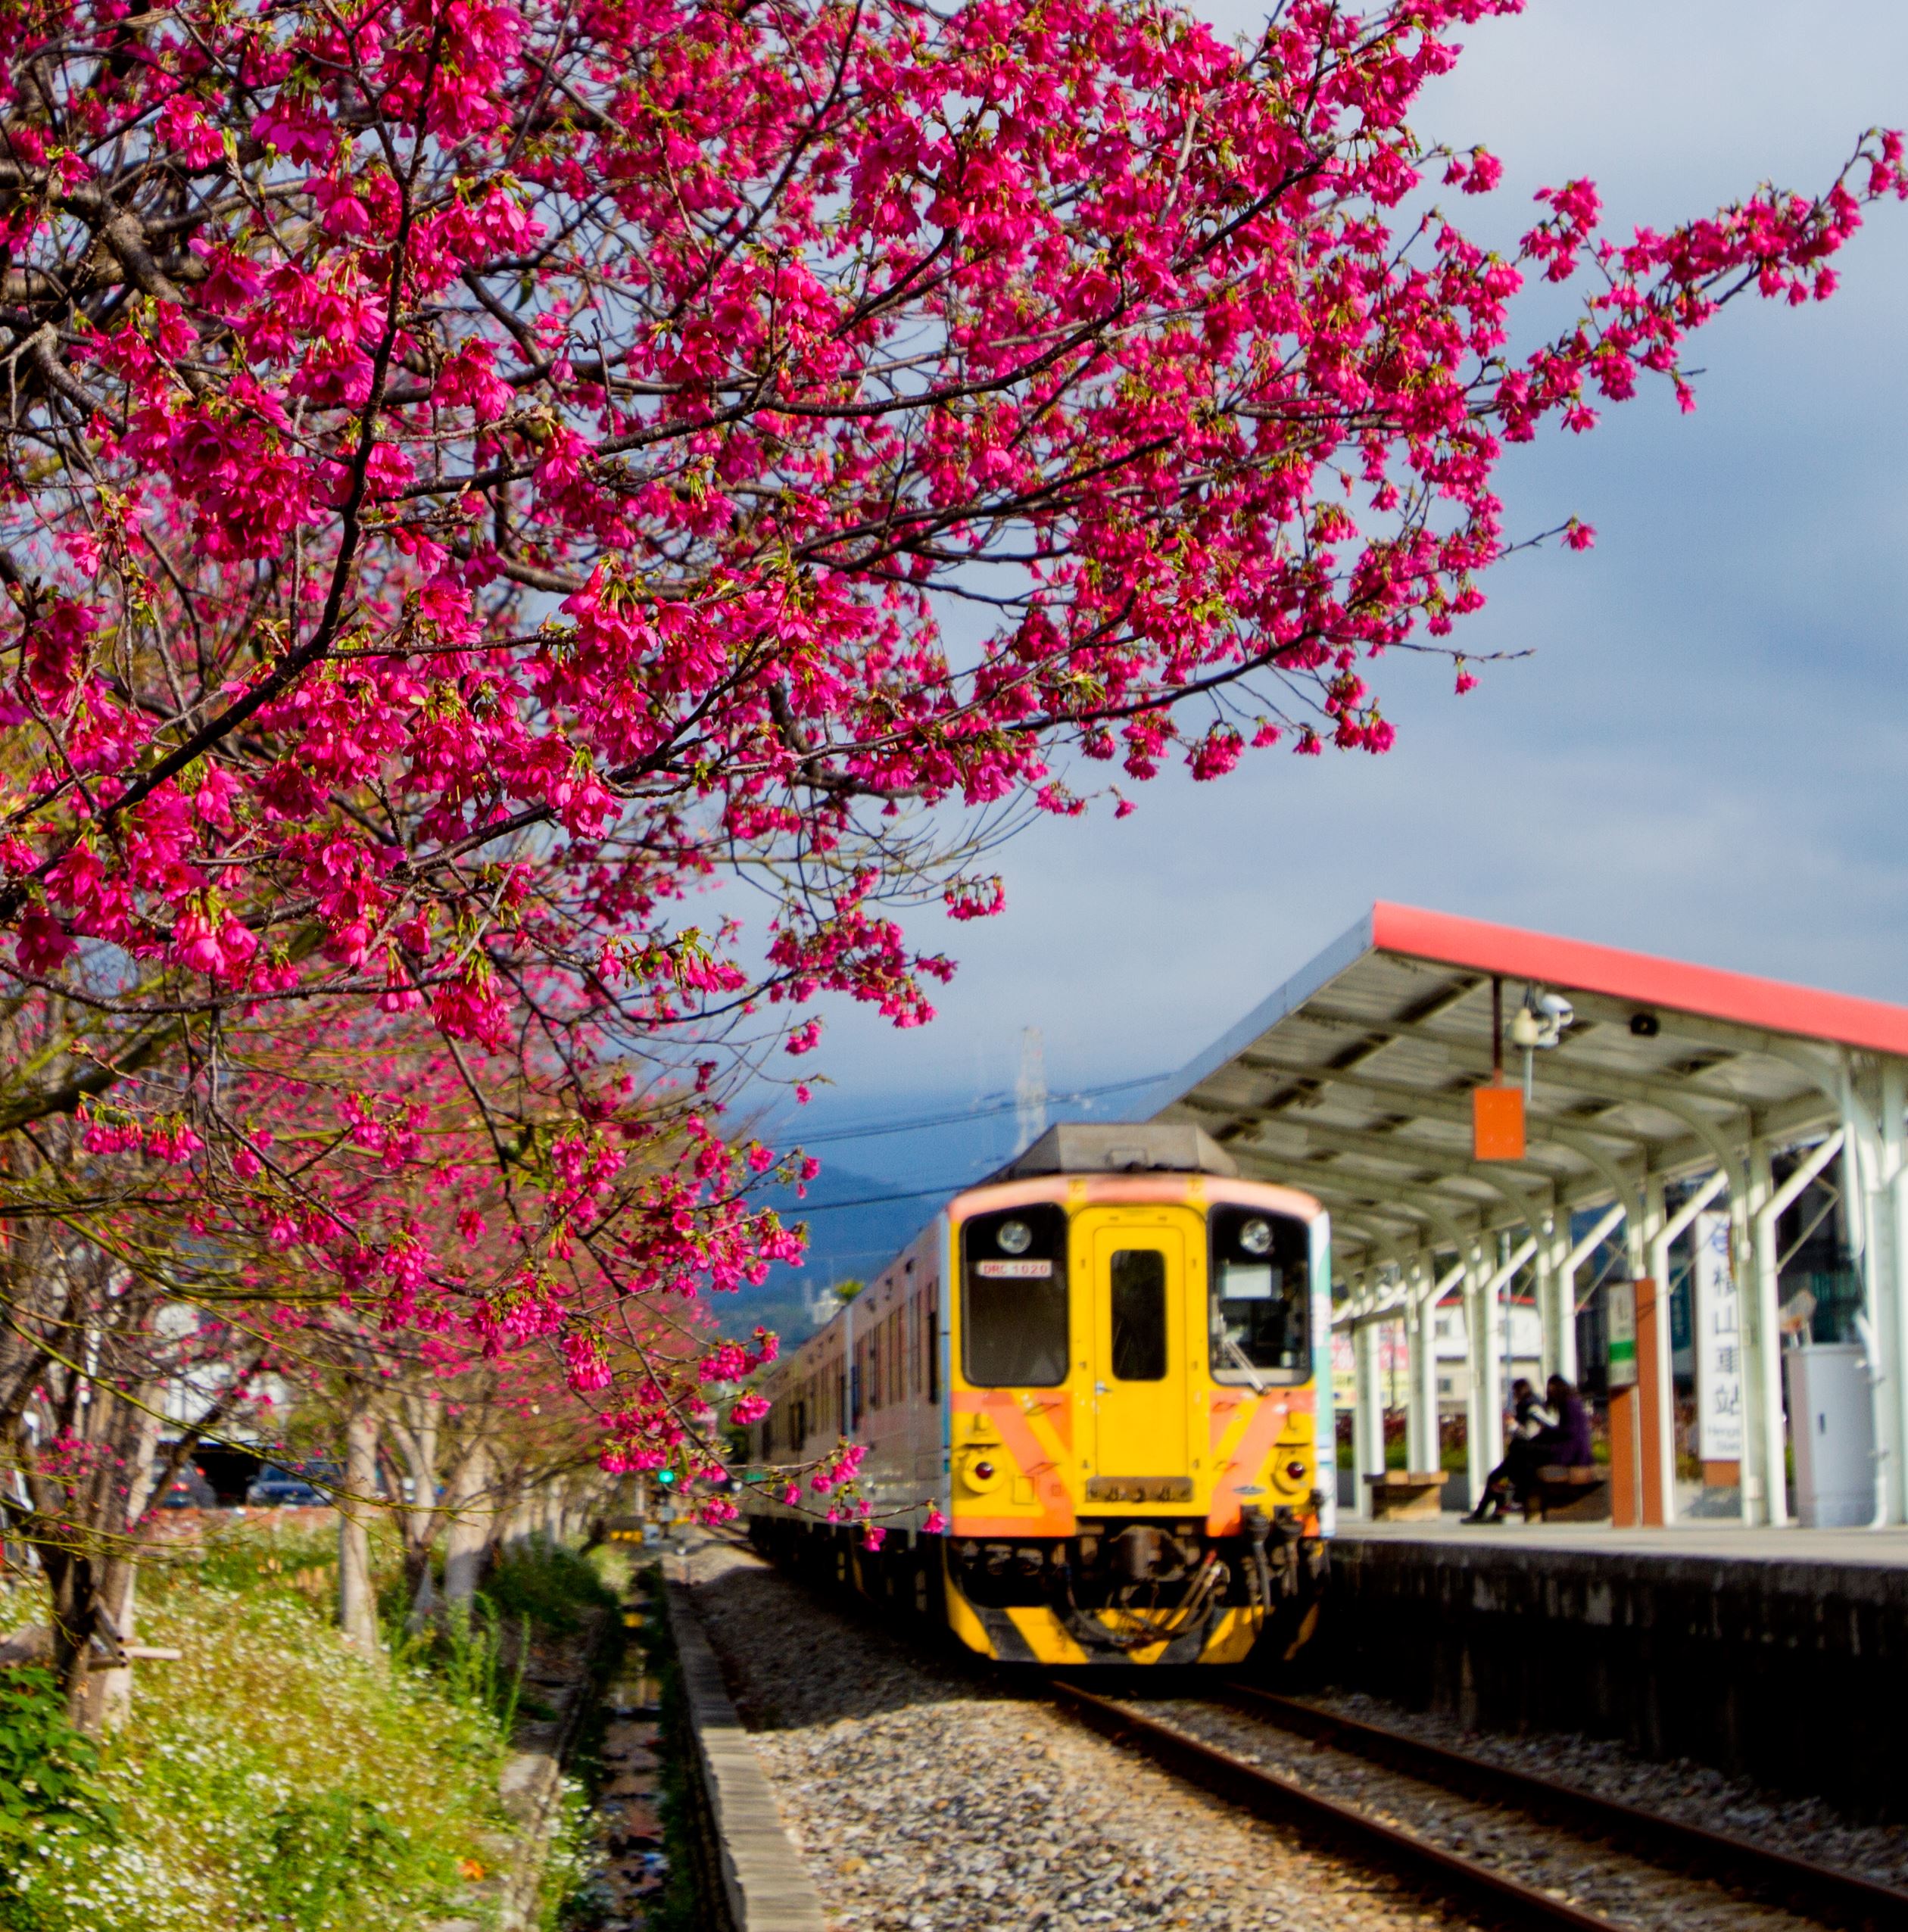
[(1014, 1298), (1139, 1310), (1260, 1296), (931, 1330)]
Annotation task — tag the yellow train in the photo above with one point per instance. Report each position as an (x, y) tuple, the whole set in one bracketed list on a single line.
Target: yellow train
[(1103, 1378)]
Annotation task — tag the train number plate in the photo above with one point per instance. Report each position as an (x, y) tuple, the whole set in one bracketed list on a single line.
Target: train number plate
[(1139, 1489), (1013, 1271)]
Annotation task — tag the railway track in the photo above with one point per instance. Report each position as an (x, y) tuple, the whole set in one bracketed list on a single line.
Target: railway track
[(1817, 1894)]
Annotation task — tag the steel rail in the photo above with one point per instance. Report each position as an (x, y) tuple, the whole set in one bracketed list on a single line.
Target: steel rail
[(1422, 1866), (1817, 1892)]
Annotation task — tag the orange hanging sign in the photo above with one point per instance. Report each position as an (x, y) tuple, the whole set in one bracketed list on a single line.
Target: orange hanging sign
[(1497, 1124)]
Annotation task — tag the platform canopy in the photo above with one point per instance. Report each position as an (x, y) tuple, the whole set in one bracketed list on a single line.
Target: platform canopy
[(1353, 1082)]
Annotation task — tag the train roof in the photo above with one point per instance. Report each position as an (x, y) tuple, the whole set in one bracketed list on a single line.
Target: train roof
[(1151, 1147)]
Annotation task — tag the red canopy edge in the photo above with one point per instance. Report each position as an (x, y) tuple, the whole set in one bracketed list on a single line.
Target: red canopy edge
[(1708, 992)]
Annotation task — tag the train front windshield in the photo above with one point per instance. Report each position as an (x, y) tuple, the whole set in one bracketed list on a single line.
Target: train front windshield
[(1261, 1296), (1013, 1299)]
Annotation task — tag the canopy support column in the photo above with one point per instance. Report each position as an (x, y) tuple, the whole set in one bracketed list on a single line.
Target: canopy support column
[(1767, 1342), (1871, 1154), (1427, 1444), (1556, 1297), (1765, 1489), (1894, 1099), (1580, 1252), (1665, 1234), (1484, 1332), (1368, 1414)]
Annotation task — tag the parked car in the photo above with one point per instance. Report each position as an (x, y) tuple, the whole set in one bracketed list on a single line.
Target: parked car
[(188, 1490), (275, 1488)]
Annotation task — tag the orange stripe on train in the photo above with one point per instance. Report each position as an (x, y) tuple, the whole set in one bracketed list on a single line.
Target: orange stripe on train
[(1243, 1468)]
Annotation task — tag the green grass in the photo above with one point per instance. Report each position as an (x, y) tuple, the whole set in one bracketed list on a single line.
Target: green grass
[(551, 1587), (272, 1781)]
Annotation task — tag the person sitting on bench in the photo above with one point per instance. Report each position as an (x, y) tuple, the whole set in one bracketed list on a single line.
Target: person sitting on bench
[(1566, 1440), (1510, 1481)]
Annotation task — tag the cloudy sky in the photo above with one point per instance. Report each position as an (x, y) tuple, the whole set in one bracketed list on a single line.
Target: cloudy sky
[(1706, 756)]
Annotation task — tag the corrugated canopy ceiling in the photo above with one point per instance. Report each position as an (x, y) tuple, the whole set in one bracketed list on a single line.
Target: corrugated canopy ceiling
[(1353, 1081)]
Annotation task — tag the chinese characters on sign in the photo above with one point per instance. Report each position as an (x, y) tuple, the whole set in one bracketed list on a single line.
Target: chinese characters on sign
[(1716, 1310), (1619, 1326)]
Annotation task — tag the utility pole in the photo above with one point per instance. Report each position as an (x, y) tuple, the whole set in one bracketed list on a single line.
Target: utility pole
[(1030, 1089)]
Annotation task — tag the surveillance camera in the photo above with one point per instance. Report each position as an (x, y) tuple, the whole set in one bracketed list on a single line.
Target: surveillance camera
[(1540, 1021)]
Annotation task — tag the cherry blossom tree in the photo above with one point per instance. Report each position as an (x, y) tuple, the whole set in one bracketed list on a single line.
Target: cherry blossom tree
[(478, 475)]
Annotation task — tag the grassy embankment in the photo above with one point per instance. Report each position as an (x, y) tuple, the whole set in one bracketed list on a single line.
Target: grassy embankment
[(272, 1778)]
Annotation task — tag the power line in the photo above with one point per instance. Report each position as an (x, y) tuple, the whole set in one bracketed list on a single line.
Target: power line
[(1004, 1104), (879, 1199)]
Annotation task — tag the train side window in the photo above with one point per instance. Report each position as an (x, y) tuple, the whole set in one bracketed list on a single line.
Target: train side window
[(1138, 1312), (1261, 1296), (1014, 1298), (932, 1326)]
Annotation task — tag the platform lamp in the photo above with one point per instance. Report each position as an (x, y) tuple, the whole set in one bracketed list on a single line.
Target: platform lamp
[(1497, 1111)]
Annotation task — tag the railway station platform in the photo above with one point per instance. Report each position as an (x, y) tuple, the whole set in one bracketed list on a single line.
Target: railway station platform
[(1684, 1190), (1772, 1653)]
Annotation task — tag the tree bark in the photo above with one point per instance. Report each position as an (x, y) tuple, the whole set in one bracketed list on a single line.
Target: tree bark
[(357, 1608), (472, 1515), (109, 1692)]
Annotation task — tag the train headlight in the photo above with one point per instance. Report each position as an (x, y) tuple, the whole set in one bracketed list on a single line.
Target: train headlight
[(1255, 1237), (1296, 1471), (978, 1476), (1016, 1237)]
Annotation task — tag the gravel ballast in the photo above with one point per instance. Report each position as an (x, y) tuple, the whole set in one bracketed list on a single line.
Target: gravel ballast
[(1692, 1793), (925, 1798), (1629, 1891)]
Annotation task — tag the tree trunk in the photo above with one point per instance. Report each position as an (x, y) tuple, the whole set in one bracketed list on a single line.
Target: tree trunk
[(70, 1584), (357, 1608), (468, 1537), (110, 1693), (415, 1430)]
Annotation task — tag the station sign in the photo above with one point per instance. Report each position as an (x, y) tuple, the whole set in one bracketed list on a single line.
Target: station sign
[(1717, 1314), (1620, 1324)]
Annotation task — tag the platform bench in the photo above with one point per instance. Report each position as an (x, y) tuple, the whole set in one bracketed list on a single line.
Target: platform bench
[(1563, 1494), (1406, 1495)]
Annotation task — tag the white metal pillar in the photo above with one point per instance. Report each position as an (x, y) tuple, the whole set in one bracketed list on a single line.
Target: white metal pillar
[(1369, 1339), (1871, 1151), (1354, 1297), (1418, 1278), (1368, 1422), (1892, 1331), (1765, 1488), (1482, 1288), (1665, 1233), (1482, 1440), (1768, 1342), (1578, 1253), (1427, 1449), (1556, 1297)]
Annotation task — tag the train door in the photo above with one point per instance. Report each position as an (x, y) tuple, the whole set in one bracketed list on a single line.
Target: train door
[(1135, 1282)]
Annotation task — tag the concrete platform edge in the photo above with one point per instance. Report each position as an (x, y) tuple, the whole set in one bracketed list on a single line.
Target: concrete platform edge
[(765, 1885), (1785, 1671)]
